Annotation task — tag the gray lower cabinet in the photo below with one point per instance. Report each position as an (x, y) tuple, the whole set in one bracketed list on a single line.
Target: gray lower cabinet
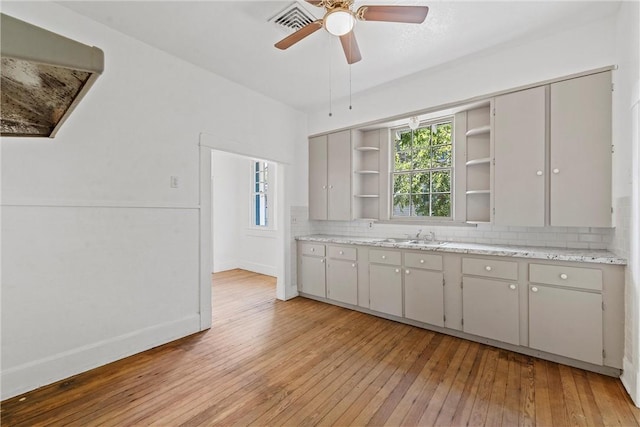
[(342, 281), (424, 296), (566, 322), (312, 276), (490, 309), (385, 289)]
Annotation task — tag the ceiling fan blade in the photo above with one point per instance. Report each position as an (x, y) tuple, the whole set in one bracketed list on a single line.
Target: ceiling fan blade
[(299, 35), (350, 47), (407, 14)]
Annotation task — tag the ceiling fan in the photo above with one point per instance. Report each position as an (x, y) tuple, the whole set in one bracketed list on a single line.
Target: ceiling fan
[(339, 20)]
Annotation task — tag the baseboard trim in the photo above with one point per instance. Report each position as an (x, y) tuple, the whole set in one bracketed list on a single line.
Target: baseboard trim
[(32, 375), (629, 380), (267, 270)]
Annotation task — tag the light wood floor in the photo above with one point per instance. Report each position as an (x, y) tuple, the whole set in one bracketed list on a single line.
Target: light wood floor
[(301, 362)]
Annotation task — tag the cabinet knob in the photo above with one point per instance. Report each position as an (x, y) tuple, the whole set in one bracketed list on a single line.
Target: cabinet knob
[(321, 259), (341, 252), (563, 276), (539, 173), (313, 249), (353, 265), (397, 270), (512, 286), (421, 261), (383, 257), (534, 289), (407, 271), (556, 170), (331, 186), (324, 187), (488, 268)]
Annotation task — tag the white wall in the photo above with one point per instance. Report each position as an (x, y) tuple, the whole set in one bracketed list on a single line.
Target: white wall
[(626, 181), (500, 68), (235, 244), (100, 257)]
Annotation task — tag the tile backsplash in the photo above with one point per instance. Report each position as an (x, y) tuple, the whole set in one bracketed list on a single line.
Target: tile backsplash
[(558, 237)]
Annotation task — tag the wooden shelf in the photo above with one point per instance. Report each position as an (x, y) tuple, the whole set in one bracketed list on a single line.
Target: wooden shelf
[(481, 161), (366, 196), (479, 130), (366, 172), (478, 192), (367, 149)]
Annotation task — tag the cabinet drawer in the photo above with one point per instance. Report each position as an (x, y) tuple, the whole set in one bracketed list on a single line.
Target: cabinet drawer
[(490, 268), (384, 257), (337, 252), (312, 249), (428, 261), (572, 277)]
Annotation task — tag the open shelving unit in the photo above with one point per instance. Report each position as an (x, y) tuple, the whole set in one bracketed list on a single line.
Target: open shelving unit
[(478, 163), (367, 175)]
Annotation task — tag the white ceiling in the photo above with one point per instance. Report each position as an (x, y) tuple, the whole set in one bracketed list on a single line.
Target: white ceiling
[(233, 39)]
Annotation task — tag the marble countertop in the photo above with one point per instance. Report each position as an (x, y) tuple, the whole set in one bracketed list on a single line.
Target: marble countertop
[(534, 252)]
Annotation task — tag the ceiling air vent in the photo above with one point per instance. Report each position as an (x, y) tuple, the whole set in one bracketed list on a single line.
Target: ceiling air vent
[(293, 17)]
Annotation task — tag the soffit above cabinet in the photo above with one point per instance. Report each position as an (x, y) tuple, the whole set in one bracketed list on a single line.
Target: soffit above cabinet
[(43, 76)]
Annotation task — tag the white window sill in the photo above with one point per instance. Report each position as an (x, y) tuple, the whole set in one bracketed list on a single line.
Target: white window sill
[(267, 233)]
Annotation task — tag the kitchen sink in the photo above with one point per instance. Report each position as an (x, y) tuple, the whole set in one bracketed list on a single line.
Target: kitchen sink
[(413, 242)]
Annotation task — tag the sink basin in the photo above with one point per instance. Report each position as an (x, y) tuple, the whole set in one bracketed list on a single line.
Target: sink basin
[(413, 242)]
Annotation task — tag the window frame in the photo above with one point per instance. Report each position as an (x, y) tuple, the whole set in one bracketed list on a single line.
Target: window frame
[(451, 168), (269, 193)]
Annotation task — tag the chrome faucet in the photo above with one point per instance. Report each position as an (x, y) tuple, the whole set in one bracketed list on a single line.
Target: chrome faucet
[(432, 237), (418, 235)]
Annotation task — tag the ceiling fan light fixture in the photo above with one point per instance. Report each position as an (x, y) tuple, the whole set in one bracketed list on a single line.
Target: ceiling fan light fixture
[(339, 21)]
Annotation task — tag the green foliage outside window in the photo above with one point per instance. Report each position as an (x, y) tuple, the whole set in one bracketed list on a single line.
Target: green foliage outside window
[(422, 171)]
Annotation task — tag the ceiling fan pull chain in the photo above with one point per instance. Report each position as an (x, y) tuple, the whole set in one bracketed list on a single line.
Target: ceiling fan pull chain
[(350, 103), (329, 50)]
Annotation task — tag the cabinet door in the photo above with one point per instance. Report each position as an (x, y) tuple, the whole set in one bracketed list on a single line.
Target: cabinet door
[(566, 322), (519, 153), (339, 176), (342, 281), (580, 126), (318, 177), (490, 309), (385, 289), (313, 276), (424, 296)]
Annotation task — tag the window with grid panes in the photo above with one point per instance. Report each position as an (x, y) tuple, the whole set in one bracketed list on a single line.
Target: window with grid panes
[(422, 171), (261, 199)]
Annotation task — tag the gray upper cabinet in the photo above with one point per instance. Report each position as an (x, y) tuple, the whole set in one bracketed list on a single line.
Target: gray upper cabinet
[(519, 153), (330, 176), (580, 133), (318, 177)]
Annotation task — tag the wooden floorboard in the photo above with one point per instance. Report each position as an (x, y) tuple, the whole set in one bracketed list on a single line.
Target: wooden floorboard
[(302, 362)]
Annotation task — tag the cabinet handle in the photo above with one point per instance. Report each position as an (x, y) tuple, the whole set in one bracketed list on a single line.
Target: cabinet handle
[(341, 252), (353, 265), (407, 271), (512, 286), (383, 257), (564, 276), (539, 173), (534, 289), (397, 270), (556, 170), (488, 268), (421, 261)]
